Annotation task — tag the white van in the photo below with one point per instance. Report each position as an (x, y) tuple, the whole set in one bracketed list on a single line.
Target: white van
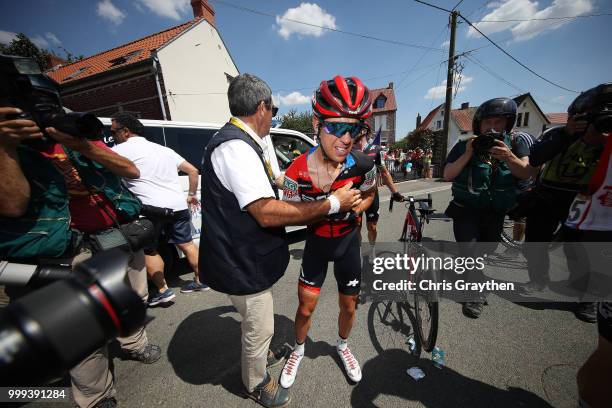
[(189, 139)]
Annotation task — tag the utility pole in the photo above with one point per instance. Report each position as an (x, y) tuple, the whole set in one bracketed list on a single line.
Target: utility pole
[(449, 84)]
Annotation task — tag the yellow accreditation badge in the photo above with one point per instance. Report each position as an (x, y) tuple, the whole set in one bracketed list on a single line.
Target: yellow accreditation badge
[(240, 125)]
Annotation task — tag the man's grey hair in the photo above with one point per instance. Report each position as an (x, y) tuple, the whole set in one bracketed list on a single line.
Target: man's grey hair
[(245, 93)]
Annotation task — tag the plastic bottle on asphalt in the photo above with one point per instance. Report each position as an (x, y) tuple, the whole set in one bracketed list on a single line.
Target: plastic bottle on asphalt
[(438, 356)]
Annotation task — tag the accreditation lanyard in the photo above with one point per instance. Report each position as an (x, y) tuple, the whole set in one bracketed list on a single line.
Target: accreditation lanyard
[(242, 127)]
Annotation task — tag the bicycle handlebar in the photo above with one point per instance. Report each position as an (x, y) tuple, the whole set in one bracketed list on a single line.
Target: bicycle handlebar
[(413, 200)]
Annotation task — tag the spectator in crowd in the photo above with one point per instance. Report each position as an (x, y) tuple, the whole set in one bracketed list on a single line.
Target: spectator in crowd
[(52, 192), (159, 189), (243, 249)]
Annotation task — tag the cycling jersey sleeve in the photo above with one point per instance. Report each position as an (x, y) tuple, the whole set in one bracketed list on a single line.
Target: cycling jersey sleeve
[(291, 190)]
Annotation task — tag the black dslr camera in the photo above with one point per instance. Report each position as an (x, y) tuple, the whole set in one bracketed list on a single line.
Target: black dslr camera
[(48, 331), (486, 141), (25, 87)]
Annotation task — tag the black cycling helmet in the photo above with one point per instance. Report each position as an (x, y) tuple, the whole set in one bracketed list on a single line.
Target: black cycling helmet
[(596, 106), (504, 107)]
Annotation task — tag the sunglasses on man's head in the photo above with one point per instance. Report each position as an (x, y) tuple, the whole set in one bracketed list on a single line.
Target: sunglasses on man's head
[(339, 129)]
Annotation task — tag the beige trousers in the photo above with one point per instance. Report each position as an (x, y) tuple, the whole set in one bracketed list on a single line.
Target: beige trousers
[(92, 380), (257, 311)]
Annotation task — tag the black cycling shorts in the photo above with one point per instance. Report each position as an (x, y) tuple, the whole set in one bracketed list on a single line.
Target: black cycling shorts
[(372, 212), (344, 252), (604, 320)]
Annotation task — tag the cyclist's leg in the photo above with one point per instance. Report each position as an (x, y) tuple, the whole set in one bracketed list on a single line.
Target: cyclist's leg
[(518, 231), (372, 215), (347, 270), (312, 276)]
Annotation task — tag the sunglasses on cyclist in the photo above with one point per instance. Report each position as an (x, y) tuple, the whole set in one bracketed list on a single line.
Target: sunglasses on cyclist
[(339, 129)]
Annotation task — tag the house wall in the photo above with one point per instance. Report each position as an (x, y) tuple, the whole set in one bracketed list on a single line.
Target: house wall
[(536, 120), (454, 131), (131, 90), (193, 67), (386, 136)]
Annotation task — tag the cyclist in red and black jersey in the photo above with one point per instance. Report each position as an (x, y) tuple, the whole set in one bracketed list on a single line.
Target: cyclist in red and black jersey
[(340, 107), (374, 151)]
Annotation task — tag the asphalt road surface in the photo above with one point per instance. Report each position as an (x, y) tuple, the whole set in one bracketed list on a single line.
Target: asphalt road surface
[(514, 355)]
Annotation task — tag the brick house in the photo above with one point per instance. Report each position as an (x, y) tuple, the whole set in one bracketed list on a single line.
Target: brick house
[(384, 109), (181, 73)]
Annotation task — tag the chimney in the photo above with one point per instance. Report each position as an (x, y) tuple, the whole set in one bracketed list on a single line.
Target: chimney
[(418, 123), (390, 85), (465, 105), (201, 9)]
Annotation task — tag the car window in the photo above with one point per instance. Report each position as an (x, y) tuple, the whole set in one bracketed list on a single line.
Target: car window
[(189, 142), (151, 133), (287, 148)]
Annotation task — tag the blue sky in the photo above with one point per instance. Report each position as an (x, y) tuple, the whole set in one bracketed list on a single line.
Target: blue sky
[(294, 58)]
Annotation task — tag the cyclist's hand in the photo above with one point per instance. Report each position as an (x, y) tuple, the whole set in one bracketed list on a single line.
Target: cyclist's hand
[(347, 197), (397, 197), (14, 131), (343, 216)]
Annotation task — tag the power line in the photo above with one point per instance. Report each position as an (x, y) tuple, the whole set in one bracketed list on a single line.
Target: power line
[(513, 58), (499, 47), (368, 37), (493, 73), (544, 19), (457, 5)]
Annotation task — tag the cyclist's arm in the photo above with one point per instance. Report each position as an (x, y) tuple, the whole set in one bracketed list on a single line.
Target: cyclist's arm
[(387, 179)]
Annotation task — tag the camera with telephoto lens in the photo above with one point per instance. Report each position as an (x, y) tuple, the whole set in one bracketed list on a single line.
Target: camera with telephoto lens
[(25, 87), (486, 141), (48, 331)]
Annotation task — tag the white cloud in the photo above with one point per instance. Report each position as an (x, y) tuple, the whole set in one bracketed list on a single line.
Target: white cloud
[(439, 92), (445, 44), (173, 9), (107, 10), (53, 38), (527, 9), (294, 98), (7, 36), (40, 42), (308, 13)]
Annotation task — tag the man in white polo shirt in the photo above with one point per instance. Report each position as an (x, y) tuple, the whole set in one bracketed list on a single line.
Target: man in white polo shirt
[(162, 197)]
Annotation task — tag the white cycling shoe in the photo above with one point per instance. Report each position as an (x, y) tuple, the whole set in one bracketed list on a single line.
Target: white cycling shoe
[(290, 370), (351, 365)]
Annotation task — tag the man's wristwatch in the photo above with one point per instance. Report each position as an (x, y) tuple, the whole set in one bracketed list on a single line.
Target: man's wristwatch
[(191, 194)]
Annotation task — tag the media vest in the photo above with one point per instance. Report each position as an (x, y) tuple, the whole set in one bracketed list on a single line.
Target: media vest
[(485, 186), (44, 230), (237, 255)]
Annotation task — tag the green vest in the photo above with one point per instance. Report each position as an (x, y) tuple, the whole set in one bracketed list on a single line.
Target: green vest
[(572, 169), (483, 186), (44, 230)]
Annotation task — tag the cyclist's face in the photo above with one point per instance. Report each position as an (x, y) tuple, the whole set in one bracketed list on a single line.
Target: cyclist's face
[(497, 124), (336, 148)]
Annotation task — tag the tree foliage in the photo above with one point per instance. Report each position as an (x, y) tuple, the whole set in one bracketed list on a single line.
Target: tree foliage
[(23, 47), (302, 121), (418, 138)]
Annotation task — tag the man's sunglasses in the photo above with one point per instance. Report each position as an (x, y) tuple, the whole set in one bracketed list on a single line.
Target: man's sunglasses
[(339, 129), (272, 107)]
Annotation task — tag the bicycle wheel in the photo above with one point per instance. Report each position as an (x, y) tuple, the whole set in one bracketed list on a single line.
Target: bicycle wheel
[(389, 325), (507, 235), (426, 312)]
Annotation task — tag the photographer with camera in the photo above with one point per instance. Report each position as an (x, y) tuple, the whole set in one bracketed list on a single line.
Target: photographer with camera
[(484, 170), (62, 201), (567, 157), (160, 191)]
